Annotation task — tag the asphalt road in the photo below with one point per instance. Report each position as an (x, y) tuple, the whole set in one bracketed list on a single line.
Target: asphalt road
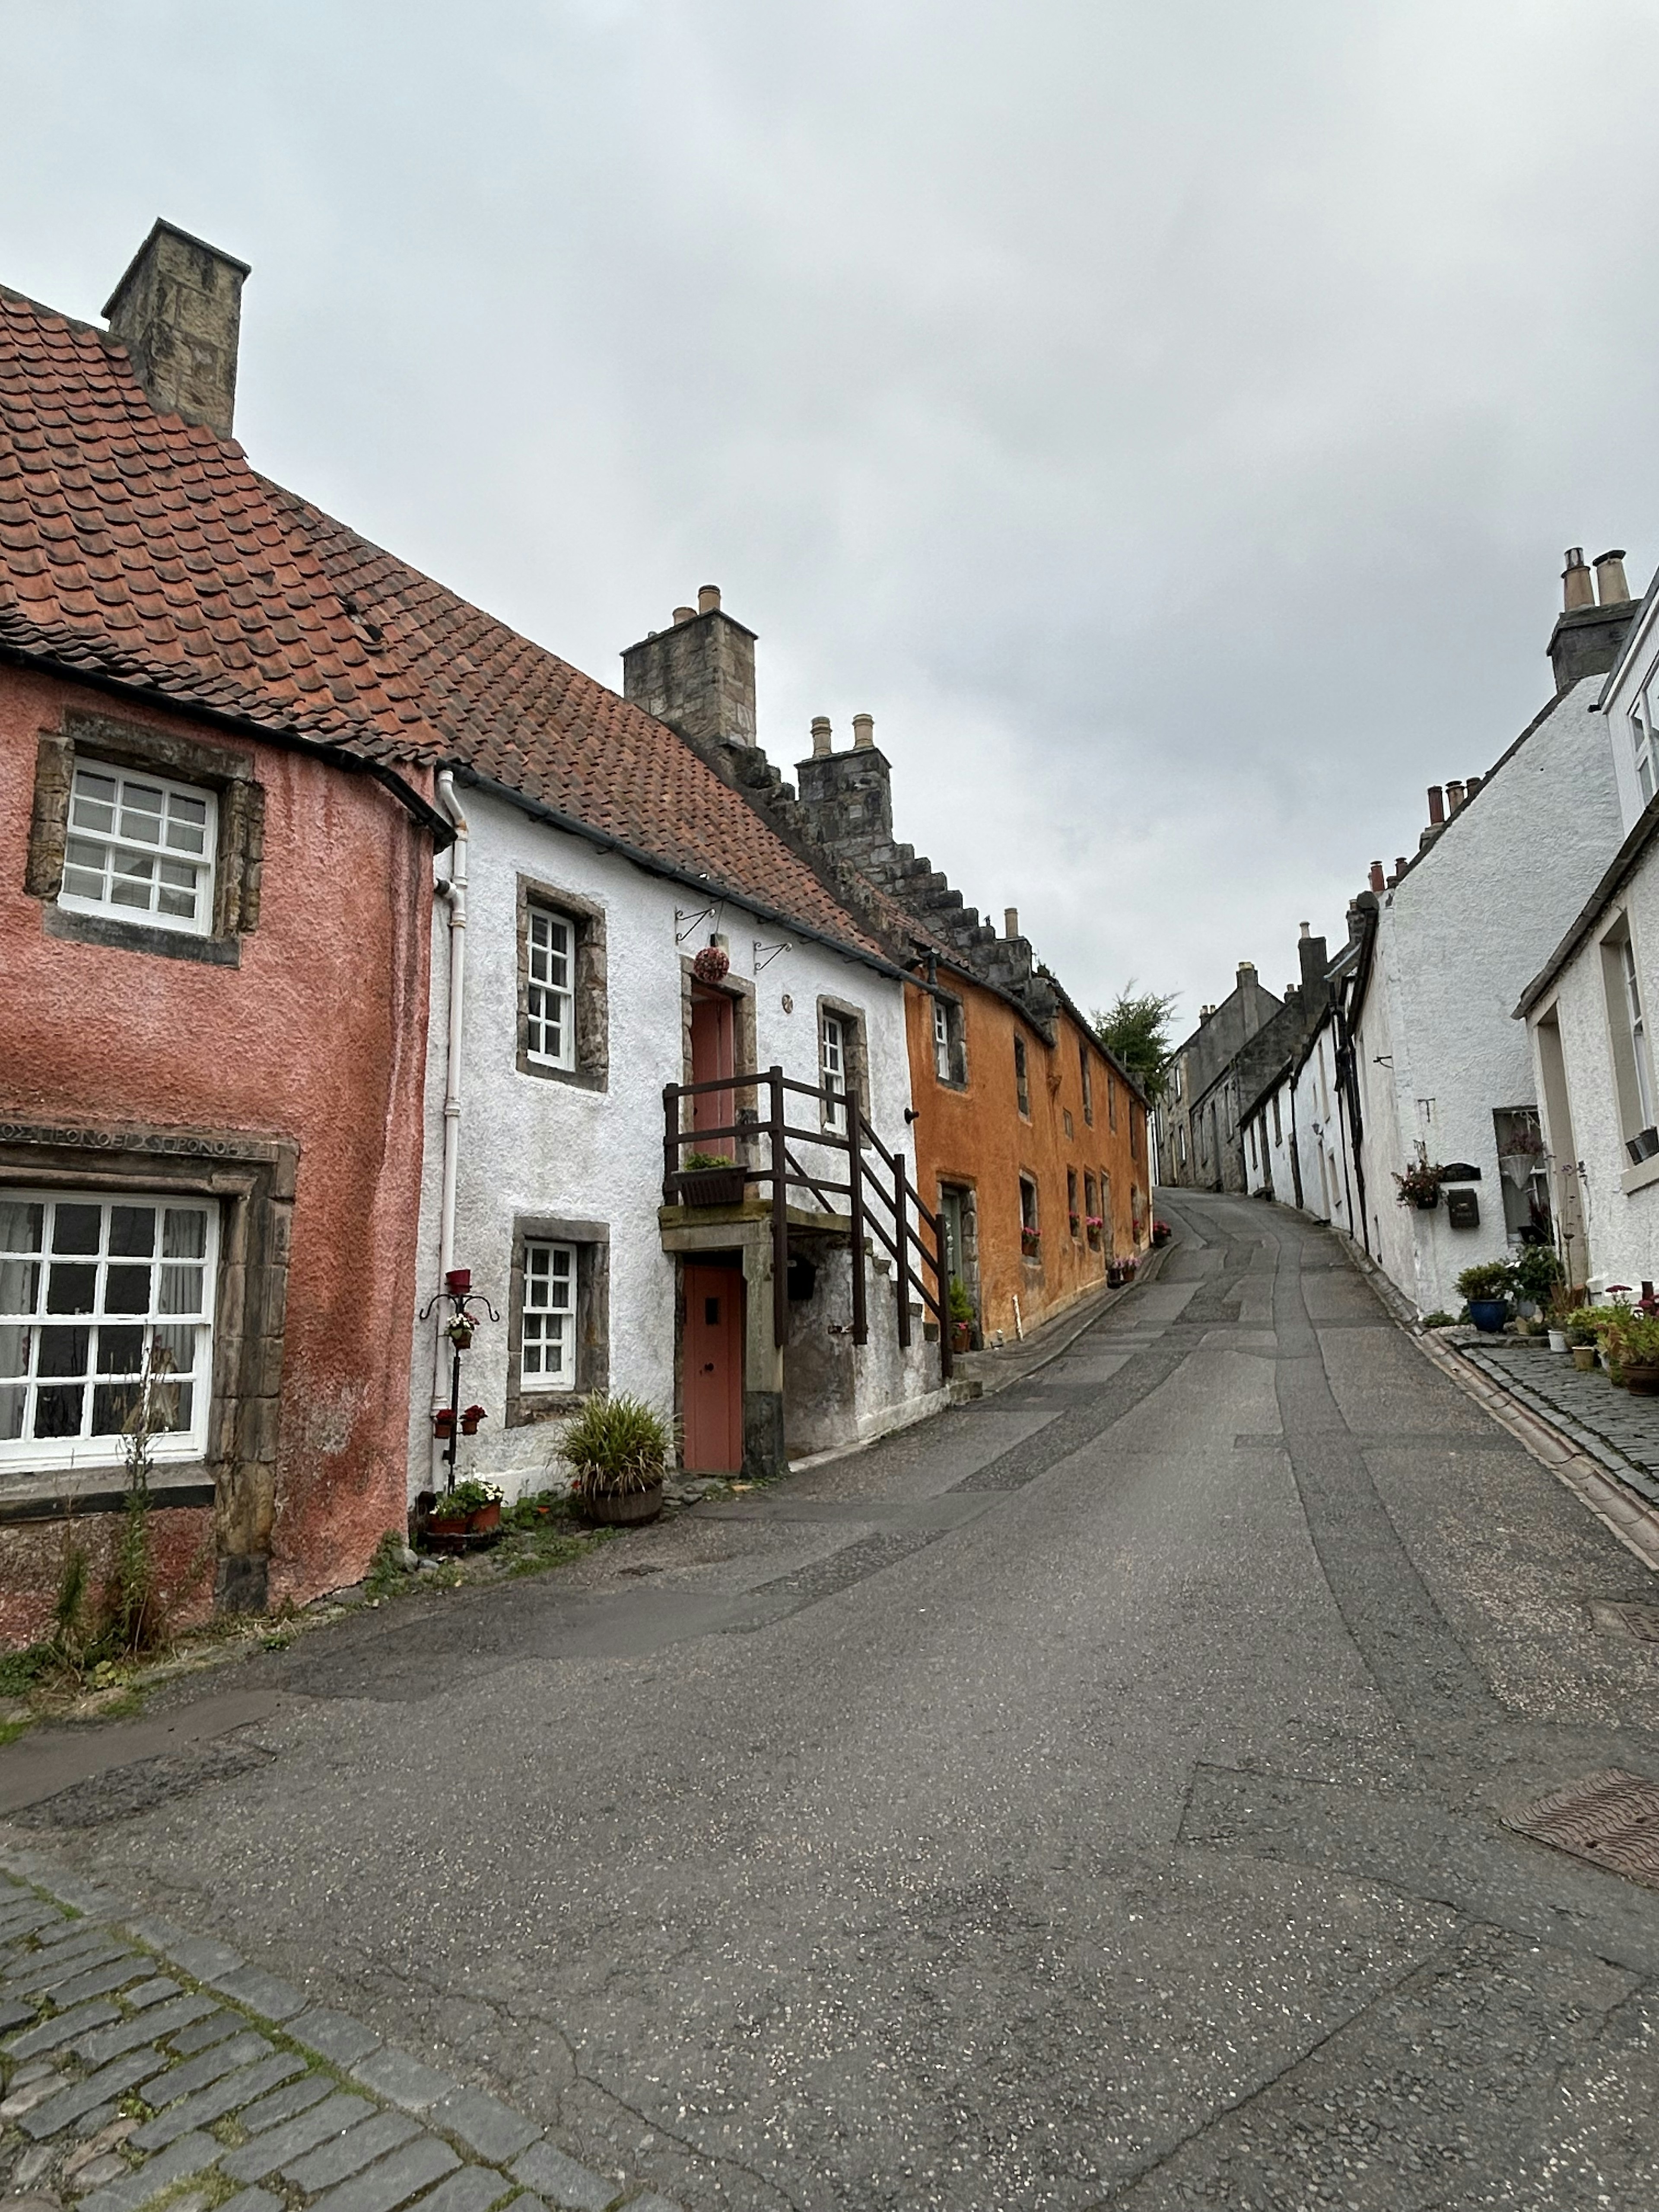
[(1091, 1798)]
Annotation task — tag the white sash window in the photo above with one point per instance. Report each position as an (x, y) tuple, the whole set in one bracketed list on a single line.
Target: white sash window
[(552, 1002), (96, 1293), (142, 848), (547, 1342)]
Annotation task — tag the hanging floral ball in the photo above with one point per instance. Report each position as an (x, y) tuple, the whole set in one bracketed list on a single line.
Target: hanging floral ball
[(710, 965)]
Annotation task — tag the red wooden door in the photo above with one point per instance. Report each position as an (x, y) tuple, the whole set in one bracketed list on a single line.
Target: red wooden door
[(712, 1366), (713, 1048)]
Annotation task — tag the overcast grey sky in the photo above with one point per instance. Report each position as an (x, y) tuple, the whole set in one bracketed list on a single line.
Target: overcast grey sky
[(1166, 420)]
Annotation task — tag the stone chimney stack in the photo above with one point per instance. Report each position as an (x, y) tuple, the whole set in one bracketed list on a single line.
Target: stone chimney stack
[(1011, 922), (849, 797), (178, 311), (698, 676), (1588, 637), (1314, 960)]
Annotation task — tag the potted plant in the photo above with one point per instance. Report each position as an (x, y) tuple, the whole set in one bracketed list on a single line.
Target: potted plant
[(710, 1179), (1487, 1288), (1630, 1347), (1584, 1325), (459, 1517), (1539, 1275), (616, 1449), (1094, 1223), (962, 1316), (1161, 1232), (1031, 1243), (1419, 1186)]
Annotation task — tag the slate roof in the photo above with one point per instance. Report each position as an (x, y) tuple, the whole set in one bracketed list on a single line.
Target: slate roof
[(138, 549)]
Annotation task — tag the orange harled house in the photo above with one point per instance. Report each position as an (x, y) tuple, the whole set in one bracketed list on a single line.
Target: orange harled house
[(1030, 1137)]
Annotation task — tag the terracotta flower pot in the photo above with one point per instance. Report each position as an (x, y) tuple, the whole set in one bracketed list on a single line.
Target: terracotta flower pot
[(1642, 1379), (961, 1336)]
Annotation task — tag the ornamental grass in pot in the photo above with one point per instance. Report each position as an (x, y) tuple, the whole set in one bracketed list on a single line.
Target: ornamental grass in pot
[(616, 1449)]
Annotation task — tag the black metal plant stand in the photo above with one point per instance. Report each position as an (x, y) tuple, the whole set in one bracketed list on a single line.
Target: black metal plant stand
[(458, 1293)]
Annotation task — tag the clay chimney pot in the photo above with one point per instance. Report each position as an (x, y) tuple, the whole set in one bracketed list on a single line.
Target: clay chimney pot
[(1454, 796), (1610, 587), (1437, 805), (684, 615), (864, 732), (822, 737), (1010, 921), (1577, 589), (709, 599), (1377, 881)]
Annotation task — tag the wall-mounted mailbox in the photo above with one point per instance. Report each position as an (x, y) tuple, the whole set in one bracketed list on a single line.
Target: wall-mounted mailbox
[(1464, 1209)]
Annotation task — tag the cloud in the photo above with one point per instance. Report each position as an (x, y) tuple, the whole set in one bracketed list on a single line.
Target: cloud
[(1166, 421)]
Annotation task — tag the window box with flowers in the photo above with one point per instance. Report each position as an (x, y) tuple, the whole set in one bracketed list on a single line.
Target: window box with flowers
[(1094, 1224), (1031, 1243)]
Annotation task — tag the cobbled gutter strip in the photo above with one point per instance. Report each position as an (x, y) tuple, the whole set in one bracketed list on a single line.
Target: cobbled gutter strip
[(123, 2084)]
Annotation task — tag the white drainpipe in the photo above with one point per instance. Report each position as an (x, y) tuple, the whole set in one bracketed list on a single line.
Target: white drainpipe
[(454, 892)]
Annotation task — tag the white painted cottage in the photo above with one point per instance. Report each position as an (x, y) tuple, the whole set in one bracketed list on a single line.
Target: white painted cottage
[(1588, 1010), (1441, 1073), (616, 920)]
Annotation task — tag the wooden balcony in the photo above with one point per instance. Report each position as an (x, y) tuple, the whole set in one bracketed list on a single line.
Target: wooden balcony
[(866, 1200)]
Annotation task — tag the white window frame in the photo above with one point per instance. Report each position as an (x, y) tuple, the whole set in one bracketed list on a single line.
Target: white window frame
[(84, 836), (833, 1029), (941, 1040), (1639, 1030), (1644, 739), (540, 1375), (101, 1447), (550, 1005)]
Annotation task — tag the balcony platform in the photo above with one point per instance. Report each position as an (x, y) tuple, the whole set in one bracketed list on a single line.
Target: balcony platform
[(700, 1228)]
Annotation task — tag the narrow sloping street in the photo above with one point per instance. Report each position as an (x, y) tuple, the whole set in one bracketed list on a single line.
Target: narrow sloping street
[(1091, 1796)]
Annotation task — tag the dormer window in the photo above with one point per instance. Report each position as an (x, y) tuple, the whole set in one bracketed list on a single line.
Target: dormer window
[(140, 848)]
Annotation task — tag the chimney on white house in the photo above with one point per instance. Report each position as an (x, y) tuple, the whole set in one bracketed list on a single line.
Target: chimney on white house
[(1577, 590), (1611, 588), (178, 313), (699, 677), (1436, 806)]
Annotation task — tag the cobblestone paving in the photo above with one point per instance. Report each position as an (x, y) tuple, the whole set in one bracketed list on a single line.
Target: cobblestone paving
[(1619, 1431), (140, 2063)]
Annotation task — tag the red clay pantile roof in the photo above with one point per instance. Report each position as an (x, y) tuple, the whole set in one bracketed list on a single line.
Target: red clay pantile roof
[(137, 548)]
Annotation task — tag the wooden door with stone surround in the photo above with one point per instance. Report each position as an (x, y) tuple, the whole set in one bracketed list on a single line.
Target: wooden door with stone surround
[(711, 1365)]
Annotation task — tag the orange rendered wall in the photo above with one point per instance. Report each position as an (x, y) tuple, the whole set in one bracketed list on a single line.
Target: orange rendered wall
[(318, 1036), (976, 1137)]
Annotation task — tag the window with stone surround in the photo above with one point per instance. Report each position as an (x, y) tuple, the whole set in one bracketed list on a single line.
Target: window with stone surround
[(1022, 1078), (96, 1295), (558, 1315), (563, 1008), (144, 841), (547, 1319), (949, 1042), (140, 848), (1088, 1085), (843, 1065)]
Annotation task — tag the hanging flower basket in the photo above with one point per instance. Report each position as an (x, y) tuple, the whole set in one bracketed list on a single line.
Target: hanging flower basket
[(1419, 1186), (711, 965)]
